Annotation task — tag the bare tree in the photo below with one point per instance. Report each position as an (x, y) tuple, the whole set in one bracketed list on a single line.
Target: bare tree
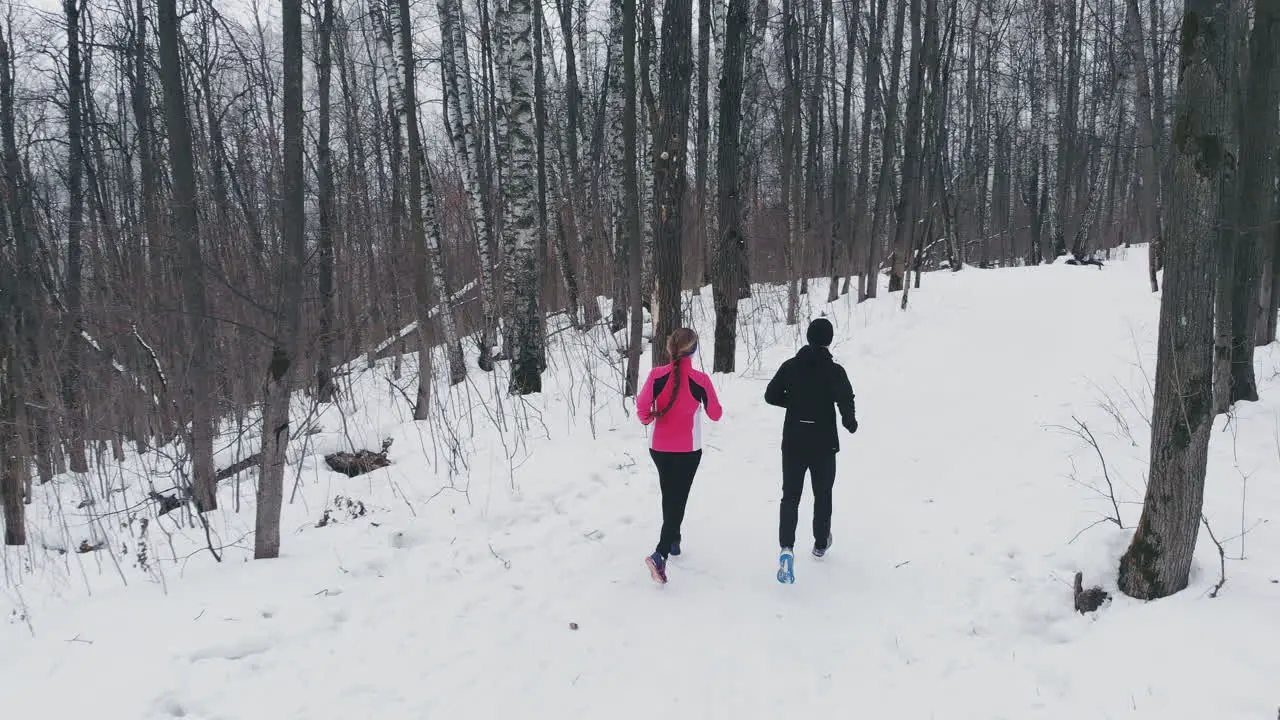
[(186, 235), (325, 202), (73, 377), (529, 193), (670, 161), (520, 196), (1158, 561), (16, 318), (1253, 285), (465, 134), (888, 151), (1148, 219), (275, 410), (633, 240), (730, 249)]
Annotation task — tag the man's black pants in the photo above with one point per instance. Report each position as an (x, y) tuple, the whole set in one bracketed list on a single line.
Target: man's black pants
[(822, 469), (675, 477)]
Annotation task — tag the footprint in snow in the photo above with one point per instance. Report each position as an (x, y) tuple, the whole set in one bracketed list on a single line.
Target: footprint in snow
[(171, 707)]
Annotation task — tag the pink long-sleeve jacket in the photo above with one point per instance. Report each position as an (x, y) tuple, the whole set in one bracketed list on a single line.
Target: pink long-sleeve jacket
[(680, 430)]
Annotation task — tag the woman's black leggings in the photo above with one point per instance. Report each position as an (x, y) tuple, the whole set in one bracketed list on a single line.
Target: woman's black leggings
[(675, 477)]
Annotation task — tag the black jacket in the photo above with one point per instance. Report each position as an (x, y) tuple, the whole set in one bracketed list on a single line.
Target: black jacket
[(810, 386)]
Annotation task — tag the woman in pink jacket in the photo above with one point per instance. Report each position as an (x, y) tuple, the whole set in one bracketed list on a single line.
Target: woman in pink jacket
[(672, 399)]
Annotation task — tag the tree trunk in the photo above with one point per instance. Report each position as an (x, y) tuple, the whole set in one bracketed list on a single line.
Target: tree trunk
[(324, 201), (1251, 301), (730, 250), (912, 157), (424, 227), (275, 408), (156, 246), (675, 73), (542, 254), (1149, 180), (634, 235), (1225, 245), (614, 108), (870, 103), (15, 318), (1255, 198), (814, 153), (1158, 561), (521, 199), (792, 146), (884, 185), (702, 141), (186, 233), (842, 230), (467, 147), (72, 390)]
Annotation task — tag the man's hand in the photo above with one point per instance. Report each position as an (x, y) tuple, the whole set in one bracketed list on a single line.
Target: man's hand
[(851, 424)]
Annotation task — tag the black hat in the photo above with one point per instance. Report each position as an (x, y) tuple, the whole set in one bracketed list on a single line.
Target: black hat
[(820, 332)]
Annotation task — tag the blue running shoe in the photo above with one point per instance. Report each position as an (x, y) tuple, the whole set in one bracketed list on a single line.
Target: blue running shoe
[(657, 567), (786, 567)]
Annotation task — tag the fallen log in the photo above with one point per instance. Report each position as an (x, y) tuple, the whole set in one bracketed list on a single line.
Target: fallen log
[(238, 467), (359, 462)]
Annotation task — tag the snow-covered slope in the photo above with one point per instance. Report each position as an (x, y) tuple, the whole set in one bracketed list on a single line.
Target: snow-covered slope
[(505, 524)]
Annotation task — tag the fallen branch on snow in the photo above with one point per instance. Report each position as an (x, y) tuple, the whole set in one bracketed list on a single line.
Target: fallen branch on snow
[(360, 462), (238, 467), (1222, 558)]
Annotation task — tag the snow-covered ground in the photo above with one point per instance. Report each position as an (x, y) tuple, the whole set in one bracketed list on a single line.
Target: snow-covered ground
[(505, 524)]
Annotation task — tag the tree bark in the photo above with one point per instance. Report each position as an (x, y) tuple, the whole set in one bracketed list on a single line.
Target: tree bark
[(72, 379), (702, 140), (613, 108), (1255, 197), (15, 320), (675, 73), (912, 157), (842, 230), (522, 207), (324, 201), (631, 197), (884, 185), (1258, 143), (730, 250), (424, 226), (870, 104), (468, 148), (1149, 179), (186, 234), (1158, 561), (275, 409)]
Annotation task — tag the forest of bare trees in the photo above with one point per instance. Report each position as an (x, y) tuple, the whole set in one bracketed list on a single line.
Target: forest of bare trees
[(208, 206)]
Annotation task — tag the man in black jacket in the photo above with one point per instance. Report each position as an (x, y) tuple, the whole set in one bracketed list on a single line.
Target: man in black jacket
[(810, 386)]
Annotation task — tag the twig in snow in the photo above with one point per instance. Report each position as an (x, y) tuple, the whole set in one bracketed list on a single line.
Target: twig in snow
[(1083, 432), (1111, 490), (505, 562), (208, 537), (1222, 558), (1090, 526)]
